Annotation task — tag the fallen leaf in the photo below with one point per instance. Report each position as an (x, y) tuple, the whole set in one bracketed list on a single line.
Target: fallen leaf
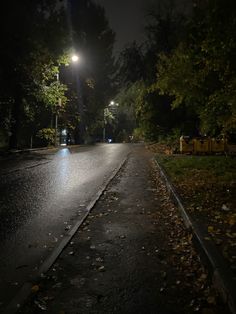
[(101, 268), (225, 208), (41, 304), (35, 288), (210, 229), (211, 300)]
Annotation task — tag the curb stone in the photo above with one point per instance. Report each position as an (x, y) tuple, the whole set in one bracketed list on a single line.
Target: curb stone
[(26, 290), (222, 276)]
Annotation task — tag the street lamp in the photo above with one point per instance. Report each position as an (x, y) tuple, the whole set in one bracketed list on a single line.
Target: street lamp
[(112, 104), (74, 59)]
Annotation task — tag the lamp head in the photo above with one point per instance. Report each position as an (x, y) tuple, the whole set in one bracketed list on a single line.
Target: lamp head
[(75, 58)]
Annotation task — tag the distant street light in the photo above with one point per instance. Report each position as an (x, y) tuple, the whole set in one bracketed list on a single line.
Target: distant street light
[(74, 59), (112, 104)]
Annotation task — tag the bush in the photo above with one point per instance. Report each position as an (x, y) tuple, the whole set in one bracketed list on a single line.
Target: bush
[(47, 135), (138, 135)]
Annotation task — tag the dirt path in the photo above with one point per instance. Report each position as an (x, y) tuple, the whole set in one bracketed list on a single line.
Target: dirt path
[(132, 255)]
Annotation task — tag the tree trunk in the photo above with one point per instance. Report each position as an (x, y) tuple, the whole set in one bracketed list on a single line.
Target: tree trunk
[(16, 120)]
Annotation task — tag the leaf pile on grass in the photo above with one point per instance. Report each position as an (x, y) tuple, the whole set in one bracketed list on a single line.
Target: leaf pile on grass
[(207, 185), (160, 148)]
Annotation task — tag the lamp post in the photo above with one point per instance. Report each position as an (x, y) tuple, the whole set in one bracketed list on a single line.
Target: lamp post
[(112, 104), (56, 114), (104, 126), (74, 59)]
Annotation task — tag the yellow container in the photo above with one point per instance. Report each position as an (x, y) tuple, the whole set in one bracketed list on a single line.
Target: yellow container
[(218, 145), (186, 145), (202, 145)]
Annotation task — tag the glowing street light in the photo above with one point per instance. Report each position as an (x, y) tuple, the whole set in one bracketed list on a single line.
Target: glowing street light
[(112, 105), (75, 58)]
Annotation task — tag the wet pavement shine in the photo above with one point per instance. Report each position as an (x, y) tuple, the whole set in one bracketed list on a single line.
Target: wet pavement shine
[(132, 255), (42, 195)]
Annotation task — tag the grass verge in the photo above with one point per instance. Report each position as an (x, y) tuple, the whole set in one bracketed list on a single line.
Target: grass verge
[(207, 186)]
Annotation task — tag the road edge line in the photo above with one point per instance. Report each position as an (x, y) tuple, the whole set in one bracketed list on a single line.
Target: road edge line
[(26, 290)]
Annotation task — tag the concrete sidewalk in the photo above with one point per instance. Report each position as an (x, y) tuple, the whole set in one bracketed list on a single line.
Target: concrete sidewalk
[(132, 255)]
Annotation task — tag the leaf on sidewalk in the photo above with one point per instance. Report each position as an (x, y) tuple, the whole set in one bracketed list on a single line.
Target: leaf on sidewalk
[(210, 229), (35, 288)]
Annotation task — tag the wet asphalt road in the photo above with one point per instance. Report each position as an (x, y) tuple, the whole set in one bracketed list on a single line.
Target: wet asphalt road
[(42, 195)]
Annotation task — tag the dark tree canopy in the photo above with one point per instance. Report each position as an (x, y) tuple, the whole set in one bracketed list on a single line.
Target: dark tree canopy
[(32, 37), (38, 37), (188, 82)]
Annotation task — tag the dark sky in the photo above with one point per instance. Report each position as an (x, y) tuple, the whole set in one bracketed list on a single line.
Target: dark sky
[(127, 19)]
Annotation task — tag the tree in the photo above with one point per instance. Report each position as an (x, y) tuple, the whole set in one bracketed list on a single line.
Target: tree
[(32, 37), (94, 40), (153, 113), (130, 65), (200, 73), (165, 28)]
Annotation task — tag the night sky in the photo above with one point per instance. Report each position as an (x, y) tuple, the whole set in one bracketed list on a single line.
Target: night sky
[(127, 17)]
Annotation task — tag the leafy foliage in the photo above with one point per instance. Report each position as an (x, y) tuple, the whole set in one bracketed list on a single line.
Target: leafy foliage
[(188, 79), (130, 65), (47, 135), (95, 43), (37, 38), (200, 71), (32, 35), (153, 113)]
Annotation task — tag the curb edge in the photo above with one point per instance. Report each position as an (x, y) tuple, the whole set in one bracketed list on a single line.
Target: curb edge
[(221, 276)]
